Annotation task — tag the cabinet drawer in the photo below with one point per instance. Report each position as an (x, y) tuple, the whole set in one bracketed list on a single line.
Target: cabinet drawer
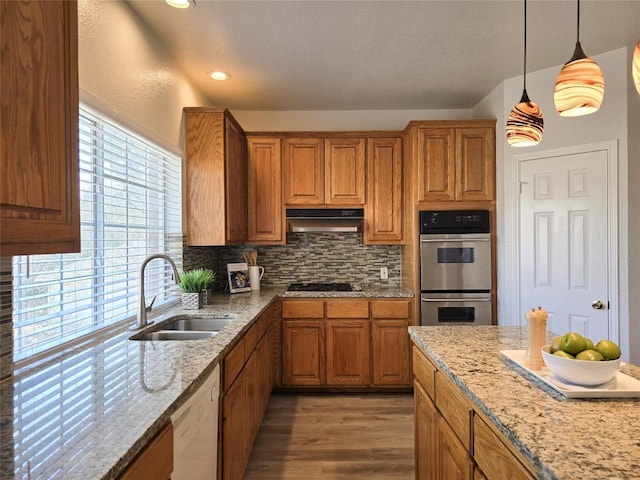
[(302, 309), (390, 309), (250, 341), (233, 363), (454, 408), (425, 372), (493, 457), (347, 309)]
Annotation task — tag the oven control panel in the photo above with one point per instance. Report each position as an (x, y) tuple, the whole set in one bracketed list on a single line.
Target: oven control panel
[(454, 221)]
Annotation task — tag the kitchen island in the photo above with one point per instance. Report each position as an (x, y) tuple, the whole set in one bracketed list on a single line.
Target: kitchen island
[(550, 435)]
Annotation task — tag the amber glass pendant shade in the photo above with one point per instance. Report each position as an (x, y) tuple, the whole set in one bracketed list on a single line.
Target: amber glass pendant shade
[(579, 87), (635, 68), (524, 124)]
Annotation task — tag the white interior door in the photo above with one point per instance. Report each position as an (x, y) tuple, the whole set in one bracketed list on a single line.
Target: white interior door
[(564, 241)]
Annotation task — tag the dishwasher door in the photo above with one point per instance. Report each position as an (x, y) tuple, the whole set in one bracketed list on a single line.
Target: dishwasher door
[(195, 433)]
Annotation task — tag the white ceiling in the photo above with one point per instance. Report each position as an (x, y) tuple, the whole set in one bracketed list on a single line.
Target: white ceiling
[(385, 55)]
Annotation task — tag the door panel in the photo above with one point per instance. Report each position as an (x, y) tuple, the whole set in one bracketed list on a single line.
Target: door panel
[(564, 241)]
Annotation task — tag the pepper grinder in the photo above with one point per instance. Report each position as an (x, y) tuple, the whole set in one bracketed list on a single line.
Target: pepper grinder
[(537, 335)]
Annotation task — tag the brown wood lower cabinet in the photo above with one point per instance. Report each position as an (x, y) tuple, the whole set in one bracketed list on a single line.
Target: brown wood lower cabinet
[(155, 462), (248, 379), (303, 345), (445, 437), (359, 343), (348, 352)]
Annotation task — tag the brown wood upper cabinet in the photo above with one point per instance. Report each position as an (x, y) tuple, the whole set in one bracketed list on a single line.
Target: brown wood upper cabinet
[(216, 177), (383, 212), (327, 171), (344, 171), (453, 161), (264, 176), (39, 187)]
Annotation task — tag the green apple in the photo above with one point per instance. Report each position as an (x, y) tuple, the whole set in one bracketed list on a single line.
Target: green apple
[(608, 349), (573, 343), (591, 355)]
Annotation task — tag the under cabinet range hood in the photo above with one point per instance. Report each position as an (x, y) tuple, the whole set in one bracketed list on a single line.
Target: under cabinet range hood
[(311, 220)]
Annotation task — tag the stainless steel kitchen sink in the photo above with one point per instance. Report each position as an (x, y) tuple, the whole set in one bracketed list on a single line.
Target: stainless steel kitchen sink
[(186, 328), (174, 335), (204, 324)]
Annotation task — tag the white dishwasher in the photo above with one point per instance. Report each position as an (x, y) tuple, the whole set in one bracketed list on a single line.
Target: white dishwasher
[(195, 433)]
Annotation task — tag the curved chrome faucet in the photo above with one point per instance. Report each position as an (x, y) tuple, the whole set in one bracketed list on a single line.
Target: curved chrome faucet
[(141, 320)]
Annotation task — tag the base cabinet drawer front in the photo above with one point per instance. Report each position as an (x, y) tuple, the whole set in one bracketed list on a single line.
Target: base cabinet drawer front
[(455, 460), (303, 352), (493, 456), (425, 372), (348, 360), (233, 363), (155, 462), (391, 364), (302, 309), (390, 309), (453, 406), (347, 309)]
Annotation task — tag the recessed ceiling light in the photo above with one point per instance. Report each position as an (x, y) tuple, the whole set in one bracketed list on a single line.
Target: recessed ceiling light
[(218, 75), (181, 3)]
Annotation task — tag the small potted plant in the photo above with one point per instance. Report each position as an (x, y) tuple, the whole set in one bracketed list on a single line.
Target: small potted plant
[(192, 283)]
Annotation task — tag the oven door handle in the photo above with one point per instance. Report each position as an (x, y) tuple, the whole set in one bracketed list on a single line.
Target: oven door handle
[(448, 240), (457, 300)]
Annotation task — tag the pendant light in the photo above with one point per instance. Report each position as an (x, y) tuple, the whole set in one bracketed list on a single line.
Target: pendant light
[(635, 68), (580, 85), (524, 123)]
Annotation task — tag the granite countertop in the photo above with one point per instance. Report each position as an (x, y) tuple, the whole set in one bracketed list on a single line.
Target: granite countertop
[(563, 438), (86, 415)]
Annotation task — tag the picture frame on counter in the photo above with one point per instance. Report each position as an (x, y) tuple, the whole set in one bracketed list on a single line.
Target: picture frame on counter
[(238, 274)]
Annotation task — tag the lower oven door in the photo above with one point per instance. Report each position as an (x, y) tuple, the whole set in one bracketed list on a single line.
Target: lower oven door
[(455, 308)]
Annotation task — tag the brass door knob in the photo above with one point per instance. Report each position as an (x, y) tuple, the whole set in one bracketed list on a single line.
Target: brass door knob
[(597, 305)]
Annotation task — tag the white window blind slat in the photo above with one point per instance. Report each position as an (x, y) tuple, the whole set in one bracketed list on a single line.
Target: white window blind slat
[(130, 207)]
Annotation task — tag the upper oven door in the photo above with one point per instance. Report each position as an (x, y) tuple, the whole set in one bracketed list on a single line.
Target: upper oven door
[(455, 262)]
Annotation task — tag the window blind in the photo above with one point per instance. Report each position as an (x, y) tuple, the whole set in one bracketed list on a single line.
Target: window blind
[(130, 207)]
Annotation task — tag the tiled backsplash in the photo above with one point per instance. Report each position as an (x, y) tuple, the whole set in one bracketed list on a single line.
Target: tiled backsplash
[(310, 257), (6, 328)]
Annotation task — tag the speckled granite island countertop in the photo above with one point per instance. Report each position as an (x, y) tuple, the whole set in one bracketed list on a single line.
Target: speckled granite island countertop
[(562, 438), (88, 414)]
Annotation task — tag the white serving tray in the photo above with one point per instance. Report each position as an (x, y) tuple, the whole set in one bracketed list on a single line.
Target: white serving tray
[(621, 386)]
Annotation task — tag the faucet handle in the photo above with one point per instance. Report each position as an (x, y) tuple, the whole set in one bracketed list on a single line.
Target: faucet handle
[(150, 306)]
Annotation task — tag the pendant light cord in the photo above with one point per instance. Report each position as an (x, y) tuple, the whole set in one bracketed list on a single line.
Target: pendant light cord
[(578, 29), (525, 46)]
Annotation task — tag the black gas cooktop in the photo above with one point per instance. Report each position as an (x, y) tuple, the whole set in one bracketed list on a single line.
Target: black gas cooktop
[(320, 287)]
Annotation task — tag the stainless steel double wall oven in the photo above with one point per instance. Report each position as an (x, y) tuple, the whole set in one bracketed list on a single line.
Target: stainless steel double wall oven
[(455, 267)]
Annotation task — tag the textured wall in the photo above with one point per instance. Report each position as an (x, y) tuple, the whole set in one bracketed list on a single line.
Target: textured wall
[(318, 257), (6, 328)]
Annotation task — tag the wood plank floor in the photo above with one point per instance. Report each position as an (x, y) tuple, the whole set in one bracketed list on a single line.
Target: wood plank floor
[(335, 436)]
